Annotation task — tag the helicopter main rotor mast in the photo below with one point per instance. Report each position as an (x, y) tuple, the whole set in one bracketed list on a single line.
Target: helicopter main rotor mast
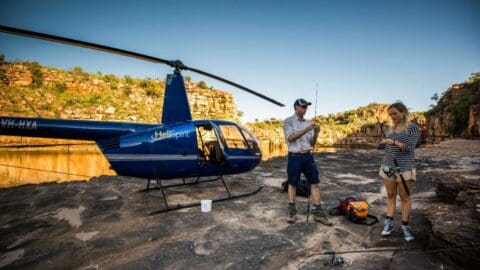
[(176, 64)]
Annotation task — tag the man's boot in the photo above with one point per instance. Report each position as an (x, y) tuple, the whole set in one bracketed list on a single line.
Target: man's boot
[(320, 216), (292, 213)]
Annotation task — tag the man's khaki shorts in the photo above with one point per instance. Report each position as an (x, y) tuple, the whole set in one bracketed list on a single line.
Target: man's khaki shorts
[(407, 175)]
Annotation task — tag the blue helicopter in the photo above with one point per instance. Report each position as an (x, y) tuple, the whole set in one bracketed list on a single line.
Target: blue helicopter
[(178, 148)]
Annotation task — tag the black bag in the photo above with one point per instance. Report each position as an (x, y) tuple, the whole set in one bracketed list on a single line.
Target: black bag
[(303, 187)]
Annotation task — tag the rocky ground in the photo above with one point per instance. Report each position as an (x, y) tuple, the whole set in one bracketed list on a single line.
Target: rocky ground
[(104, 223)]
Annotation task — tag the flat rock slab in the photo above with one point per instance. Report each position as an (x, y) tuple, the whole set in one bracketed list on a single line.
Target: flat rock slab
[(104, 223)]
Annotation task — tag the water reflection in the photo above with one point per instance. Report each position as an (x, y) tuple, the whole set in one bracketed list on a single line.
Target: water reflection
[(33, 165)]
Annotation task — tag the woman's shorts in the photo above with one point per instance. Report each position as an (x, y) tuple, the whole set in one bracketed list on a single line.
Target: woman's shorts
[(407, 175)]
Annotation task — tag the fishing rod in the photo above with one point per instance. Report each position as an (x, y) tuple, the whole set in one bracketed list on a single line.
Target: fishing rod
[(313, 150), (42, 170), (397, 167), (338, 260)]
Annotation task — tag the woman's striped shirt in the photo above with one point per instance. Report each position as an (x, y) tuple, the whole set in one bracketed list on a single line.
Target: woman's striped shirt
[(405, 156)]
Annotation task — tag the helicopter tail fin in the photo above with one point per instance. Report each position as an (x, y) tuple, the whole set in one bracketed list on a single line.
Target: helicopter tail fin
[(66, 129), (175, 103)]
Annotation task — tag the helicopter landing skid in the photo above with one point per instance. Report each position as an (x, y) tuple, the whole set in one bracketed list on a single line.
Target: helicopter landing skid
[(169, 208), (159, 185)]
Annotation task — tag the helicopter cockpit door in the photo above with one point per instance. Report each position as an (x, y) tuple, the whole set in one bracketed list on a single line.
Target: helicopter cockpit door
[(209, 144)]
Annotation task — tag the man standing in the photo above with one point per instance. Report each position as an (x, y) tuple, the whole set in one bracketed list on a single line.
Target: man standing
[(301, 136)]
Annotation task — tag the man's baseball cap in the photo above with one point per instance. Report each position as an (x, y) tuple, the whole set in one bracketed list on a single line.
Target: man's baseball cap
[(302, 102)]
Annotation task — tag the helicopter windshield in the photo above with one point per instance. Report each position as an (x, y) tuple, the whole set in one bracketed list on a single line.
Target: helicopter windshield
[(233, 137), (251, 140)]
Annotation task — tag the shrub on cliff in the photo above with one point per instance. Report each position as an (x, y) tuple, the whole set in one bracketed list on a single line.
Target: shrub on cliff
[(128, 79), (460, 108), (152, 89), (3, 76), (37, 76), (77, 71), (60, 87), (202, 84)]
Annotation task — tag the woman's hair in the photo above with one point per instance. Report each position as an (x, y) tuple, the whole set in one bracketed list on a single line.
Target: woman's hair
[(403, 109)]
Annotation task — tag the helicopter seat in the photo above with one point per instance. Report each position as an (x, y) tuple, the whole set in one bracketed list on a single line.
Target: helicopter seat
[(201, 154), (214, 151)]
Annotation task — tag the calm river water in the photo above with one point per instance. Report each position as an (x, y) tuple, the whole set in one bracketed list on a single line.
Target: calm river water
[(33, 165)]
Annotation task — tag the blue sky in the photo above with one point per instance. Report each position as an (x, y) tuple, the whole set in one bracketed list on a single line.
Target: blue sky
[(357, 52)]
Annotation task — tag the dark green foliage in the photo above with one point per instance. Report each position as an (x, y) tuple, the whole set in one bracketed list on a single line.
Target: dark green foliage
[(60, 87), (2, 57), (128, 80), (112, 80), (78, 71), (3, 76), (151, 88), (37, 76), (272, 123), (460, 108), (127, 90), (352, 118), (202, 84), (152, 92), (474, 77)]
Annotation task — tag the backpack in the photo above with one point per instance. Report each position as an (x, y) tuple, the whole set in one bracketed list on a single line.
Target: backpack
[(355, 211), (303, 188)]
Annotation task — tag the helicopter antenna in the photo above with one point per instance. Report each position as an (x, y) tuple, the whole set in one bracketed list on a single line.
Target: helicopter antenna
[(176, 64)]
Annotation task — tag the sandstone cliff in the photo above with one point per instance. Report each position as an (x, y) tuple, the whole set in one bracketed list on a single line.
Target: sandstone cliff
[(457, 112), (29, 88), (356, 127)]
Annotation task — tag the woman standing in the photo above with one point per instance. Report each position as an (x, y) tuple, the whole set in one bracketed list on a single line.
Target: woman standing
[(400, 143)]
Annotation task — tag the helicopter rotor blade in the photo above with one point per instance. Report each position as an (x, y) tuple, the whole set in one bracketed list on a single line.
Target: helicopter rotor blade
[(234, 84), (175, 63), (69, 41)]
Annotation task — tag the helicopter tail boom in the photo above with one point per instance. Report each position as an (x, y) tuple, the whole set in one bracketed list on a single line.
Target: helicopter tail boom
[(66, 129)]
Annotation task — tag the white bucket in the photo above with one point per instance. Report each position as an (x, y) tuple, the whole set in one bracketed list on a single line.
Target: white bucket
[(206, 205)]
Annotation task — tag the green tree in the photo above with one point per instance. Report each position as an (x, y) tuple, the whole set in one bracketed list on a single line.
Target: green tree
[(187, 78), (37, 76), (461, 106), (128, 79), (60, 87), (352, 118), (110, 78), (78, 71), (202, 85), (2, 57), (474, 77), (127, 90), (151, 88)]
